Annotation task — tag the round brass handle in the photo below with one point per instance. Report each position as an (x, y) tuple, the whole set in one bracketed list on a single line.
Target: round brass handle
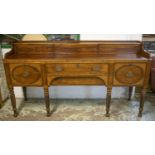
[(96, 68), (58, 68), (26, 74), (130, 74)]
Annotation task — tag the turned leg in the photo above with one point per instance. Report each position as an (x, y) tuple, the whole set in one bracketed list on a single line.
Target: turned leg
[(0, 100), (141, 106), (47, 101), (13, 101), (130, 93), (25, 93), (108, 101)]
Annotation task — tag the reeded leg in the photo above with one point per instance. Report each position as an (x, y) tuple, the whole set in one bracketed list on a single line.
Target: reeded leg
[(25, 93), (47, 101), (130, 93), (13, 102), (108, 101), (141, 106)]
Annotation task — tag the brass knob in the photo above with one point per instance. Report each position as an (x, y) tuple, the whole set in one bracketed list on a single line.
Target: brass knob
[(130, 74), (96, 68), (26, 74), (58, 68)]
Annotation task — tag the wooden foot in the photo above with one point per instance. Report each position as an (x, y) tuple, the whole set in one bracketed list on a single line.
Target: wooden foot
[(15, 114), (47, 102), (107, 115), (25, 93), (48, 114), (130, 93), (13, 102), (141, 106), (0, 99), (139, 114), (108, 101)]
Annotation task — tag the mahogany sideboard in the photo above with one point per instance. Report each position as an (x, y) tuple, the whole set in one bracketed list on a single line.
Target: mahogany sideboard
[(47, 63)]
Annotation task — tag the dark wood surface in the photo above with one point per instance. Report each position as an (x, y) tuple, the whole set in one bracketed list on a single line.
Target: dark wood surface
[(109, 63)]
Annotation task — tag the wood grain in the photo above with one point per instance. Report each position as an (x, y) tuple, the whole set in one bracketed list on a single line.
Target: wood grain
[(109, 63)]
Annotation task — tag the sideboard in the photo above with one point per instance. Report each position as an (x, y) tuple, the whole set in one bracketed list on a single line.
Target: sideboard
[(49, 63)]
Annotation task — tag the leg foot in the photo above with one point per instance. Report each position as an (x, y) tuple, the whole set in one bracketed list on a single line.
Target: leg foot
[(0, 100), (107, 115), (139, 114), (48, 114), (15, 114)]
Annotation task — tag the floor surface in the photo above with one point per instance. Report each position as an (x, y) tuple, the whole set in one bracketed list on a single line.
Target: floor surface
[(80, 110)]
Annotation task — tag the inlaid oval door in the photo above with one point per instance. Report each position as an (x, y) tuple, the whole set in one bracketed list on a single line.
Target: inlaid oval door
[(26, 74), (129, 74)]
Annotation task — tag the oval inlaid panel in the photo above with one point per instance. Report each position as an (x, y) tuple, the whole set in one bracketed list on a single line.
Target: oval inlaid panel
[(129, 74), (25, 74)]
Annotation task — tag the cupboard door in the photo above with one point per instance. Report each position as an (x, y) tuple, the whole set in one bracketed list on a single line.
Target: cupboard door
[(129, 73), (26, 74)]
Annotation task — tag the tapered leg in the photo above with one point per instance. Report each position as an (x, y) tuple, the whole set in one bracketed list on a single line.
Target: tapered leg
[(108, 101), (25, 93), (130, 93), (13, 101), (47, 101), (141, 106)]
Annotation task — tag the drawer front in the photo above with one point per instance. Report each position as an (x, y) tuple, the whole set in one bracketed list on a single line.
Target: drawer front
[(26, 74), (77, 69), (129, 74)]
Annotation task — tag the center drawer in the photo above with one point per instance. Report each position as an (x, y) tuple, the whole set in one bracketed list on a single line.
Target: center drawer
[(77, 69)]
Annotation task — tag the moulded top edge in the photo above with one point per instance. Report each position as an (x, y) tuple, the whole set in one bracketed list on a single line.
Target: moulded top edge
[(81, 42)]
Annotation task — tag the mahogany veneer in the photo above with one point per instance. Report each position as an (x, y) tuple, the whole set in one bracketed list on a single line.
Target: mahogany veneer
[(109, 63)]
